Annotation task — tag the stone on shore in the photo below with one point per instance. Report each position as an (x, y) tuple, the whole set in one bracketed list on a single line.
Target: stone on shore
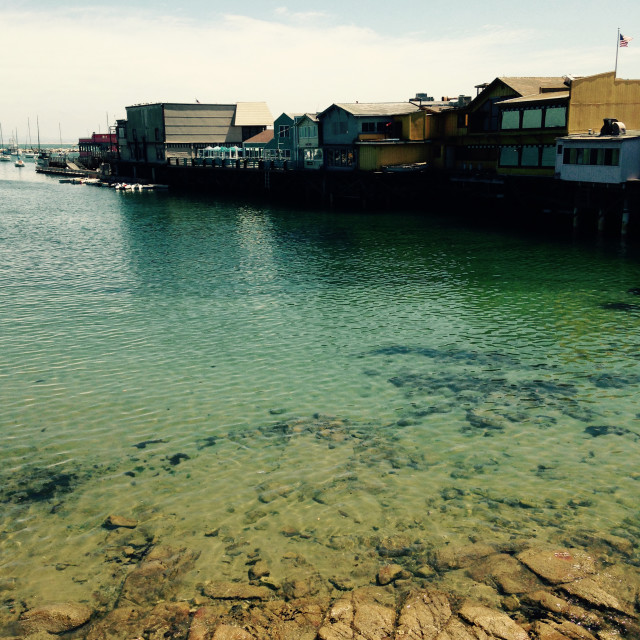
[(367, 613), (55, 617), (165, 620), (424, 615), (230, 632), (495, 623)]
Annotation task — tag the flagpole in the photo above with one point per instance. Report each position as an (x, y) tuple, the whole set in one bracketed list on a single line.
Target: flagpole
[(615, 73)]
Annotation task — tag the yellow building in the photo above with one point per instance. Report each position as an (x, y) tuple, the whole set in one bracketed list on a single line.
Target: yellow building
[(594, 98)]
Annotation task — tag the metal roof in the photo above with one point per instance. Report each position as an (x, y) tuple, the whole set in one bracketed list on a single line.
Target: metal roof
[(212, 123), (373, 109)]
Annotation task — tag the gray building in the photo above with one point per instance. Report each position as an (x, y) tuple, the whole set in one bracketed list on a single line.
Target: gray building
[(282, 147), (159, 132), (343, 125)]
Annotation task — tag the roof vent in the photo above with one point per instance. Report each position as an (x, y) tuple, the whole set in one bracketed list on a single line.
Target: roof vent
[(612, 127), (568, 79)]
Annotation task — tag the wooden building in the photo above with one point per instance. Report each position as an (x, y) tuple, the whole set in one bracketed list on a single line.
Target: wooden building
[(281, 148), (253, 148), (594, 98), (99, 148), (157, 133), (309, 153), (345, 125)]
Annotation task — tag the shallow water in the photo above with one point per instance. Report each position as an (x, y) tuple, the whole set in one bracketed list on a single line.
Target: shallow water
[(240, 377)]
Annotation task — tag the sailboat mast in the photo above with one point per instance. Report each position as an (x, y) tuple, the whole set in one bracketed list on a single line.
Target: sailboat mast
[(38, 126)]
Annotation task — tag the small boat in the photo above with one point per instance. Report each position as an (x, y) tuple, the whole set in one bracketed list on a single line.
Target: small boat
[(5, 158), (19, 162)]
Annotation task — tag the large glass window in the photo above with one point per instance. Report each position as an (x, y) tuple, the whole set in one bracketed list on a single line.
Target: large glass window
[(510, 119), (532, 119), (548, 158), (530, 157), (555, 117), (509, 157)]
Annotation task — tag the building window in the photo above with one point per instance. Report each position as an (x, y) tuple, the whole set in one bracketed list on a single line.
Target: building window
[(509, 157), (340, 158), (555, 117), (548, 158), (510, 120), (368, 127), (532, 119), (339, 128), (283, 131), (530, 157), (603, 156)]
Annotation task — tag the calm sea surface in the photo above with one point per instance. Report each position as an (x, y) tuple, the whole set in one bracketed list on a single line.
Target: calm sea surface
[(239, 377)]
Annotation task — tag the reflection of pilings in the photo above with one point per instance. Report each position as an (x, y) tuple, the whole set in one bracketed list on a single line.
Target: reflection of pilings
[(624, 227), (601, 220)]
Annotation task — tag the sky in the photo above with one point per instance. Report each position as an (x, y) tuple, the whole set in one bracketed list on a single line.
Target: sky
[(70, 68)]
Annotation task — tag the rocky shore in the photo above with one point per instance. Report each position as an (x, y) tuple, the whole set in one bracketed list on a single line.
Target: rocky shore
[(477, 591)]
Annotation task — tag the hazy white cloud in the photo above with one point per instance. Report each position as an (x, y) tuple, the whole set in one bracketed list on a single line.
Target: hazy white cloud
[(79, 66)]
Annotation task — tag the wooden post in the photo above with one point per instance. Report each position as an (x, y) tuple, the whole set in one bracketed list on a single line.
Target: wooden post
[(576, 219), (601, 220)]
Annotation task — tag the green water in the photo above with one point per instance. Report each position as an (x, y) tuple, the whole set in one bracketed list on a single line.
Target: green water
[(239, 377)]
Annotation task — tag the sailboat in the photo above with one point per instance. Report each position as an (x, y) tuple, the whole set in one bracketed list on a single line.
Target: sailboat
[(30, 153), (3, 156), (19, 162)]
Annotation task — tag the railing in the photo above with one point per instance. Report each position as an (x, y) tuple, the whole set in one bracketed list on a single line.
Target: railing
[(241, 163)]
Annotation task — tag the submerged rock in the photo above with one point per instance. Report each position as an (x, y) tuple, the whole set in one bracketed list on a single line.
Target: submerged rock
[(115, 521), (223, 590), (506, 573), (558, 565), (157, 576), (391, 572), (460, 556), (55, 618), (588, 590)]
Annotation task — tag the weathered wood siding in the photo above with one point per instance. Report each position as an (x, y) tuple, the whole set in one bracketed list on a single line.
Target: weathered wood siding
[(603, 96), (372, 157)]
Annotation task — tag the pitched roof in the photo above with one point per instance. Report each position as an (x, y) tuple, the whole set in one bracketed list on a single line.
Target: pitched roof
[(251, 114), (538, 97), (260, 138), (537, 84), (373, 109), (187, 123)]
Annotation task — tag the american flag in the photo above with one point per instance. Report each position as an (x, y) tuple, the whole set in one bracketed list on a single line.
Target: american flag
[(625, 40)]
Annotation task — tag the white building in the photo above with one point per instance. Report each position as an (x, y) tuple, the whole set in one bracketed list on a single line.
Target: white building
[(604, 159)]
